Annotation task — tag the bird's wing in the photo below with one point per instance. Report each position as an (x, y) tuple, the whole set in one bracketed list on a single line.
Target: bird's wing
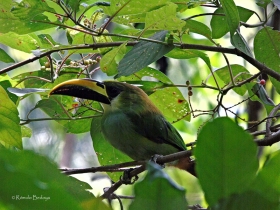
[(157, 129)]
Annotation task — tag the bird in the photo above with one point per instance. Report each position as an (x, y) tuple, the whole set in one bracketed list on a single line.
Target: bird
[(131, 122)]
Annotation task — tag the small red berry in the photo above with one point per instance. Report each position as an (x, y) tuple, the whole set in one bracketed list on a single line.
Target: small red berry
[(262, 82), (75, 105)]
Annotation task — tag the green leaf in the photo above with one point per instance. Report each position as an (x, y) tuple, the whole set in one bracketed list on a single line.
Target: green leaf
[(261, 93), (30, 181), (108, 63), (232, 15), (31, 79), (187, 54), (246, 200), (106, 153), (183, 5), (267, 51), (26, 131), (60, 79), (79, 125), (96, 204), (239, 73), (4, 57), (267, 182), (74, 4), (198, 28), (163, 18), (133, 7), (255, 90), (46, 41), (222, 168), (219, 23), (10, 132), (169, 100), (143, 54), (240, 43), (263, 3), (25, 43), (157, 191), (6, 84), (52, 108), (20, 17), (82, 38), (258, 93)]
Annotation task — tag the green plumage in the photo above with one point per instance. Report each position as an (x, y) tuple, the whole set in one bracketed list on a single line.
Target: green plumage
[(131, 122), (133, 125)]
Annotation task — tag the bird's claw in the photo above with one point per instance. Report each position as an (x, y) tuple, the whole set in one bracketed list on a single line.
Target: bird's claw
[(126, 178)]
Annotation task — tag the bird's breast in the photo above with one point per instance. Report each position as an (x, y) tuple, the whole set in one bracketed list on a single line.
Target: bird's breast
[(121, 133)]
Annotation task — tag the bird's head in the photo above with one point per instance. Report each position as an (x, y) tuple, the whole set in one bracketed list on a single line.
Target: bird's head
[(117, 95)]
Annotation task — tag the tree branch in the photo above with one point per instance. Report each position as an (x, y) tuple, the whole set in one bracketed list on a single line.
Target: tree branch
[(270, 138), (261, 67)]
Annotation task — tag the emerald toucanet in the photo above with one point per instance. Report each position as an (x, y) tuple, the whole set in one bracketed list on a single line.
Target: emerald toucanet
[(131, 122)]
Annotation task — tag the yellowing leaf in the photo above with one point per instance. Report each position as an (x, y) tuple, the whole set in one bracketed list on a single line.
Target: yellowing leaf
[(10, 131), (164, 18), (108, 63)]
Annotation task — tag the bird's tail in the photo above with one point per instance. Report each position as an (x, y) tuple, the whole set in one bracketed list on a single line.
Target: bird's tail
[(186, 164)]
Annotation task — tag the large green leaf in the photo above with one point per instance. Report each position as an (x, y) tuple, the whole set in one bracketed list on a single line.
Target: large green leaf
[(239, 73), (19, 17), (163, 18), (267, 182), (106, 153), (74, 4), (157, 191), (30, 181), (108, 63), (10, 131), (143, 54), (187, 54), (198, 28), (256, 91), (226, 159), (169, 100), (4, 57), (219, 23), (6, 84), (78, 38), (232, 15), (184, 5), (25, 43), (132, 6), (52, 108), (31, 79), (246, 200), (83, 125), (267, 51), (74, 109)]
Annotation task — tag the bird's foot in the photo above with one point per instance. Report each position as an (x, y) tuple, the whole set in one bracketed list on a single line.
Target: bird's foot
[(126, 178), (154, 159)]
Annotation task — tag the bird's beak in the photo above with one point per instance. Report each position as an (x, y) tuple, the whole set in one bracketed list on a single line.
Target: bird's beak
[(82, 88)]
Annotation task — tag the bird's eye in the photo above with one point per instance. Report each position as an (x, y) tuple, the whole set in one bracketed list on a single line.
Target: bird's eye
[(113, 92)]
